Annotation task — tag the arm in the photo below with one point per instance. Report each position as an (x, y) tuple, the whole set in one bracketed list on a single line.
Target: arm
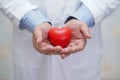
[(32, 19), (22, 13), (90, 12), (83, 14), (15, 9), (78, 22), (101, 8)]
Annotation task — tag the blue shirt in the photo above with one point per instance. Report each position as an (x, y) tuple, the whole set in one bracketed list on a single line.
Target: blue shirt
[(34, 18)]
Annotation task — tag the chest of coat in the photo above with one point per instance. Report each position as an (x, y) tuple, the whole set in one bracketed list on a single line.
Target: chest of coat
[(58, 9)]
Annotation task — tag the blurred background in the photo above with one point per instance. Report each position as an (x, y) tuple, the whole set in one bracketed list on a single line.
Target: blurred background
[(111, 48)]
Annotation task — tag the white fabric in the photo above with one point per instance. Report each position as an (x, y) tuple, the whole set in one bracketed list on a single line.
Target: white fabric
[(31, 65), (15, 9), (101, 8)]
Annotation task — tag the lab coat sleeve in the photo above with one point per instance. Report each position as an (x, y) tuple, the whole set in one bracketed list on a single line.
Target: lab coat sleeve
[(83, 14), (15, 9), (101, 8), (32, 19)]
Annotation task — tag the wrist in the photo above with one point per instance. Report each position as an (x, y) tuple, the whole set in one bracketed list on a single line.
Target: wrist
[(83, 14), (32, 19), (42, 27), (70, 18), (48, 23)]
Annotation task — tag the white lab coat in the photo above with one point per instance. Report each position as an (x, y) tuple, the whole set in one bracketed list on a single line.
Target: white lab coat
[(31, 65)]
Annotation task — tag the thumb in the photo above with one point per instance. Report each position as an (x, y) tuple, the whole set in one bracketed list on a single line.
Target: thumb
[(86, 32), (38, 35)]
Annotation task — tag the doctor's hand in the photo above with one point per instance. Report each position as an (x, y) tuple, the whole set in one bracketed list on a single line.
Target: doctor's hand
[(80, 34), (41, 42)]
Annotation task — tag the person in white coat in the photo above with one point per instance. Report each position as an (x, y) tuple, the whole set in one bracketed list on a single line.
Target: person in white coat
[(31, 21)]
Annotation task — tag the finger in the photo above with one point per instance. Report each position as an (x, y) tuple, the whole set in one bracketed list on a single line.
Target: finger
[(63, 56), (41, 47), (85, 30), (51, 50), (46, 49), (36, 46), (81, 45), (66, 50), (74, 48), (77, 46), (41, 31), (39, 39), (38, 34), (55, 51)]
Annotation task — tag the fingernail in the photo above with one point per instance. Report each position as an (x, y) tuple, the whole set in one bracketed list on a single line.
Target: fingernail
[(90, 36), (38, 40), (63, 56)]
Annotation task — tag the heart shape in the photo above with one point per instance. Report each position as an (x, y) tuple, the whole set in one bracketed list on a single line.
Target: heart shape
[(60, 36)]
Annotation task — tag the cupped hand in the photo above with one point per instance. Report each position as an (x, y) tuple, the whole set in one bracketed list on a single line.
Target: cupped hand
[(41, 42), (80, 34)]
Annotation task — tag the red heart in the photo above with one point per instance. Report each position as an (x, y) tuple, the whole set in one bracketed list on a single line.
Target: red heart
[(60, 36)]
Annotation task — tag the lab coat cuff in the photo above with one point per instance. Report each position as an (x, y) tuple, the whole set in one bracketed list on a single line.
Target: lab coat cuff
[(83, 14), (32, 19)]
